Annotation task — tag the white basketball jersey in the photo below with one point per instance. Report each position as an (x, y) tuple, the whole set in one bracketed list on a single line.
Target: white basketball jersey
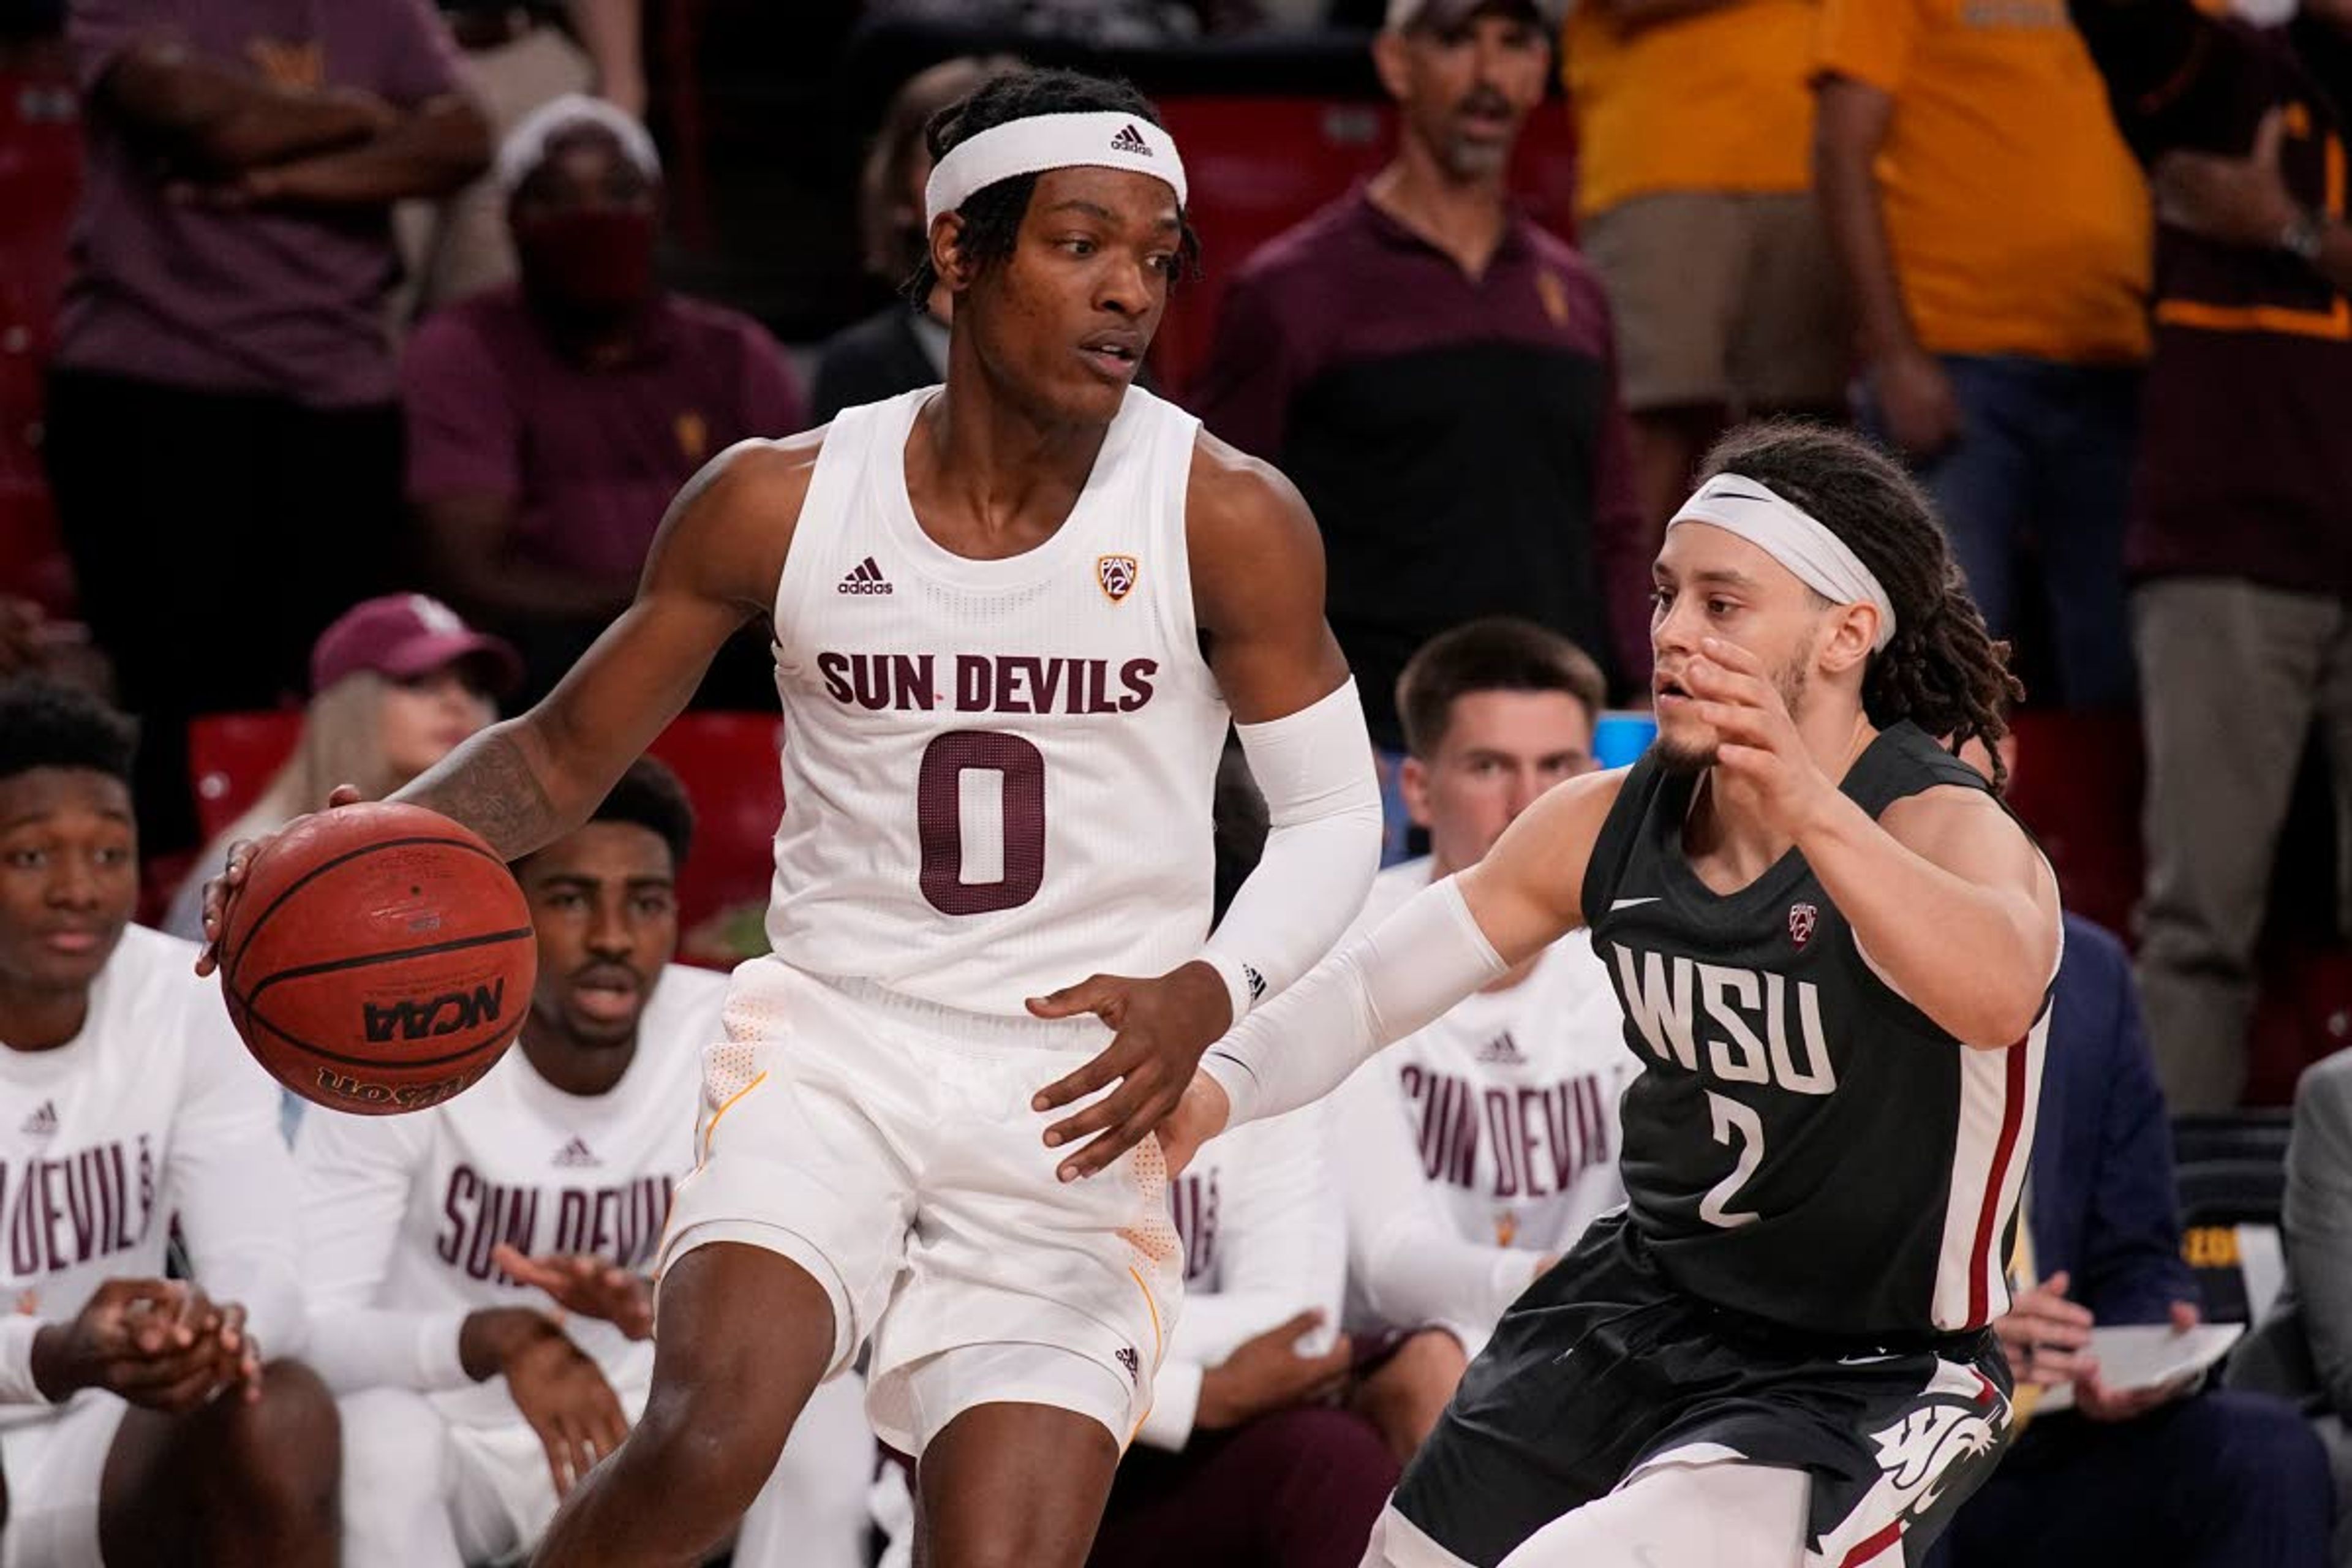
[(402, 1213), (997, 773), (153, 1107), (1511, 1096)]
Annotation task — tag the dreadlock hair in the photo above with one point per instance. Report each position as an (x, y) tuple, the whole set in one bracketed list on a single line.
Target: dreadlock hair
[(1943, 670), (992, 215), (44, 725)]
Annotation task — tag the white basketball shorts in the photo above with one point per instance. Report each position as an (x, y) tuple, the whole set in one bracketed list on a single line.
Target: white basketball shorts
[(54, 1464), (888, 1146)]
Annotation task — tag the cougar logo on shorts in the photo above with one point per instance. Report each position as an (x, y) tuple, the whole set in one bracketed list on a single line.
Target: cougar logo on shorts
[(1800, 922), (1116, 575), (1925, 1449)]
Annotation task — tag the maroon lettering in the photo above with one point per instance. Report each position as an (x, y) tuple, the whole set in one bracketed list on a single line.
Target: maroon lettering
[(1530, 1113), (1015, 679), (832, 668), (1499, 1139), (939, 820), (1136, 676), (871, 678), (910, 680), (975, 681)]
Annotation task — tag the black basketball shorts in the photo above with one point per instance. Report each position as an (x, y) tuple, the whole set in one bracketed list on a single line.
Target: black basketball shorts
[(1603, 1368)]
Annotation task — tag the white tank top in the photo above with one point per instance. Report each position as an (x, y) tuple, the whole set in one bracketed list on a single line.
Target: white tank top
[(997, 773)]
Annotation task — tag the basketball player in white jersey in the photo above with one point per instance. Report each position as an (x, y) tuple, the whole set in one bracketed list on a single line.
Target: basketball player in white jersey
[(1835, 952), (138, 1419), (468, 1407), (1013, 617), (1477, 1150)]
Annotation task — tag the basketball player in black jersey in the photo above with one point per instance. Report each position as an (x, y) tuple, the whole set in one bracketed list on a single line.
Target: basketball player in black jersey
[(1835, 949)]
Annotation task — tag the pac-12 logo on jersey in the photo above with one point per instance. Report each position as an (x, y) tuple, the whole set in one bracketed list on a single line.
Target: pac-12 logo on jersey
[(1802, 918), (1116, 574)]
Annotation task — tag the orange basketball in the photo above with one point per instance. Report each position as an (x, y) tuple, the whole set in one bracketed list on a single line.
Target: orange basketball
[(378, 958)]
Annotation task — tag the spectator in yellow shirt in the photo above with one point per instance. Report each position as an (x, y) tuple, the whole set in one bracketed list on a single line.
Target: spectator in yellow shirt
[(1695, 204), (1995, 235)]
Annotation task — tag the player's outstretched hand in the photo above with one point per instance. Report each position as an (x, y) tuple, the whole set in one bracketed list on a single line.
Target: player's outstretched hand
[(1269, 1374), (159, 1344), (222, 889), (589, 1287), (1758, 750), (561, 1392), (1161, 1027), (2046, 1337)]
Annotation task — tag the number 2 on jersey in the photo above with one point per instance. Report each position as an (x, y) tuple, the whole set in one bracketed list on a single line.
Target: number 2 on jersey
[(939, 820), (1730, 1117)]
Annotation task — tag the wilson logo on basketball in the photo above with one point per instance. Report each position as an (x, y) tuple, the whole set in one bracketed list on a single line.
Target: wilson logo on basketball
[(450, 1013), (1116, 574), (1801, 919)]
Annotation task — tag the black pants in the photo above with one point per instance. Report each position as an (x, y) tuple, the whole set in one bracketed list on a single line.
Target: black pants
[(213, 535)]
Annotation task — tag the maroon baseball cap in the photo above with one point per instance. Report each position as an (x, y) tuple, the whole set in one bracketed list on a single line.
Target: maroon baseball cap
[(407, 634)]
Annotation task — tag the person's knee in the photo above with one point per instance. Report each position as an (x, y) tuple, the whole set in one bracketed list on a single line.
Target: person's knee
[(2255, 1450), (282, 1455), (1405, 1395)]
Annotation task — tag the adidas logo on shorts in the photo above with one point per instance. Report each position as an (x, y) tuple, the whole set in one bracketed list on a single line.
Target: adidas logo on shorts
[(1130, 139), (42, 1123), (864, 578), (1132, 1361), (576, 1153)]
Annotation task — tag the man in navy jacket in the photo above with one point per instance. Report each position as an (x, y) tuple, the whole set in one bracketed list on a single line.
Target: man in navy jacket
[(2169, 1476)]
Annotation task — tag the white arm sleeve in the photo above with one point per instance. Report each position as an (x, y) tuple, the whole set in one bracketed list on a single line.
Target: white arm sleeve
[(16, 1385), (1282, 1251), (232, 1184), (1376, 990), (1411, 1266), (355, 1173), (1322, 846)]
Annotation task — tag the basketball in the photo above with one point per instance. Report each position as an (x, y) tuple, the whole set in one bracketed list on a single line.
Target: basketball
[(378, 958)]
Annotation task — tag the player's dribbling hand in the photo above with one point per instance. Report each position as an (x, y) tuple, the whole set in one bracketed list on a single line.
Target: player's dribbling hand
[(561, 1392), (587, 1286), (1759, 751), (159, 1344), (1161, 1027), (2046, 1337), (223, 888)]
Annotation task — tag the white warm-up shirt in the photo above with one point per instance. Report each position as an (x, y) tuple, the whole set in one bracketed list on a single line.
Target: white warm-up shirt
[(1263, 1241), (400, 1213), (154, 1110), (1472, 1150)]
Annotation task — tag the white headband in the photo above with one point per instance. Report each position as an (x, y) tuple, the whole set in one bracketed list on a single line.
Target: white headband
[(525, 147), (1794, 538), (1043, 141)]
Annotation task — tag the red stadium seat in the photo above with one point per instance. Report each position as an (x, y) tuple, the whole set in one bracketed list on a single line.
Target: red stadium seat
[(231, 757)]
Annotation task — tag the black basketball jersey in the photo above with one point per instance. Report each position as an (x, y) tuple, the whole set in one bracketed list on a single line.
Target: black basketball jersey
[(1803, 1144)]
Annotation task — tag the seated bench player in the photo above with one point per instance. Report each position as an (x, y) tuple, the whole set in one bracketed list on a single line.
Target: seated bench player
[(141, 1420), (1475, 1152), (434, 1241)]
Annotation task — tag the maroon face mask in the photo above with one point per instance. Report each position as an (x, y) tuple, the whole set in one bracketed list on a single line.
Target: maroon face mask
[(598, 263)]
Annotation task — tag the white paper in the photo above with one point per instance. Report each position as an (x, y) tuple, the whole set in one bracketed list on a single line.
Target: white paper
[(2134, 1356)]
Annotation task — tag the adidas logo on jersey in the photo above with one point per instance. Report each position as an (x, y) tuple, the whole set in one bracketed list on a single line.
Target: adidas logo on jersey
[(576, 1153), (1130, 139), (1502, 1051), (42, 1123), (864, 578)]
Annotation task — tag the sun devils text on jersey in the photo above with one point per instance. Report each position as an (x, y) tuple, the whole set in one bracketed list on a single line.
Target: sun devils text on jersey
[(998, 773), (1803, 1144)]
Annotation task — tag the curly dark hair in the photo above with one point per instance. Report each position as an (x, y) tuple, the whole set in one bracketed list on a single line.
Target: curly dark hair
[(993, 214), (649, 795), (46, 725), (1943, 671)]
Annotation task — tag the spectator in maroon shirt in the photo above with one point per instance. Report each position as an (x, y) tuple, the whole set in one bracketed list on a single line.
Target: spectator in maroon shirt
[(550, 421), (221, 421), (2241, 531), (1439, 376)]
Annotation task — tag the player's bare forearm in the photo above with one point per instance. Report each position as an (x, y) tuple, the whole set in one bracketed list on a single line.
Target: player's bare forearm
[(1962, 918), (493, 784)]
